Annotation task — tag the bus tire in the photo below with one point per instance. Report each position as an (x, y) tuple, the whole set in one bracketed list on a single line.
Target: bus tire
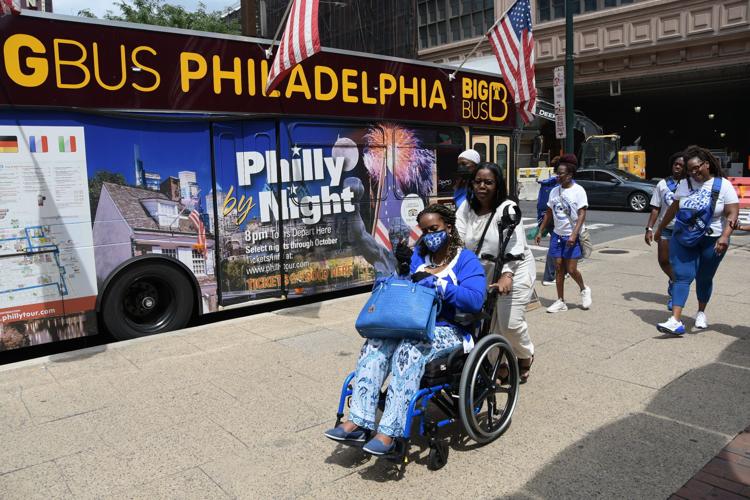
[(146, 299)]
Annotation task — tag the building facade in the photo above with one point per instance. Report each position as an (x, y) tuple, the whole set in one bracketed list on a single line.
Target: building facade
[(672, 72), (386, 27)]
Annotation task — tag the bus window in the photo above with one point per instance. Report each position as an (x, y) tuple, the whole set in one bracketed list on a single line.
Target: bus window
[(437, 147)]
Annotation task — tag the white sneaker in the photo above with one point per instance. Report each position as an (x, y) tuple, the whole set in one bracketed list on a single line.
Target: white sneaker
[(548, 283), (671, 326), (586, 298), (700, 320), (557, 306)]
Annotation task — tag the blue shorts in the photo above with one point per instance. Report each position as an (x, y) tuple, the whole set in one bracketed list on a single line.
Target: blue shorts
[(559, 249), (666, 233)]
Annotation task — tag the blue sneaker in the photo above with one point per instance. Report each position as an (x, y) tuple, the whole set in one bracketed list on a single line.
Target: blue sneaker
[(339, 434), (376, 447), (671, 326)]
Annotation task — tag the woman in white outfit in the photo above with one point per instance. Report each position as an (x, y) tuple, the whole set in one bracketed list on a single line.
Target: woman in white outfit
[(477, 224)]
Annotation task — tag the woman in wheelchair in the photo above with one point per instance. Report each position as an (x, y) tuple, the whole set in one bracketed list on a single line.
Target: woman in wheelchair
[(477, 221), (439, 261)]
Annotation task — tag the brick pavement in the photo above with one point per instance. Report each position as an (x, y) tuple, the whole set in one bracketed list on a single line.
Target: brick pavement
[(726, 476)]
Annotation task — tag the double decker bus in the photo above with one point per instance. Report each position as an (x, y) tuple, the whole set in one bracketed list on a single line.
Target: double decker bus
[(146, 177)]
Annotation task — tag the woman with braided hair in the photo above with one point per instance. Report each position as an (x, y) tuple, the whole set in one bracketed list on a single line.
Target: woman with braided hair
[(441, 262)]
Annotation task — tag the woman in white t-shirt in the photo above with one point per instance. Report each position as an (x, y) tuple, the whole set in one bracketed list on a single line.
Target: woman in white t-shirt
[(477, 224), (661, 200), (701, 261), (567, 208)]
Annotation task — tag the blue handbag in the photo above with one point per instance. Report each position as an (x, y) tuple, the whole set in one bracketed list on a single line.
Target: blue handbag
[(691, 224), (399, 309)]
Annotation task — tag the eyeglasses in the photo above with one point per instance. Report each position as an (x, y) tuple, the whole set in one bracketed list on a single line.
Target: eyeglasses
[(486, 182), (695, 168)]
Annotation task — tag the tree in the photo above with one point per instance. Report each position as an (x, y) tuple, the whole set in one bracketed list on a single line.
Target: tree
[(160, 13), (95, 187)]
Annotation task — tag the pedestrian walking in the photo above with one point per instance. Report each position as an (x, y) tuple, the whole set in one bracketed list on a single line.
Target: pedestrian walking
[(567, 210), (705, 214), (661, 200), (545, 188), (477, 222), (466, 164)]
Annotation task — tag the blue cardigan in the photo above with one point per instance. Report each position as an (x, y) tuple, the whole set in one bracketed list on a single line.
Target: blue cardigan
[(463, 283)]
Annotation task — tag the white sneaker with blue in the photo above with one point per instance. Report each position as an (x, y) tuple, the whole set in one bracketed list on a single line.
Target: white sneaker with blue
[(672, 326)]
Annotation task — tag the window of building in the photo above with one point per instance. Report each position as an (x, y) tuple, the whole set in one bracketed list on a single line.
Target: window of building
[(199, 263), (447, 21), (548, 10), (169, 252)]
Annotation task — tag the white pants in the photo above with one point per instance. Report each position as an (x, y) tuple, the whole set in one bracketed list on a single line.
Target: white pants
[(509, 318)]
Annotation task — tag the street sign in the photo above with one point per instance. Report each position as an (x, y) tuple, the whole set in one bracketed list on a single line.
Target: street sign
[(558, 87)]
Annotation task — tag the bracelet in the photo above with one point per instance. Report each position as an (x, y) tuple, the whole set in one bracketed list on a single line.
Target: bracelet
[(650, 229)]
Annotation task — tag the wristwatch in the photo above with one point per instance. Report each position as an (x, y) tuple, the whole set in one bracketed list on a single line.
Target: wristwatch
[(650, 229)]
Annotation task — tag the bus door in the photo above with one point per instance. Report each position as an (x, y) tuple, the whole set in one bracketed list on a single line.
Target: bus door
[(494, 148), (246, 213)]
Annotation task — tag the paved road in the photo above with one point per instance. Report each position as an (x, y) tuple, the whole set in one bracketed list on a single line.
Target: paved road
[(605, 225)]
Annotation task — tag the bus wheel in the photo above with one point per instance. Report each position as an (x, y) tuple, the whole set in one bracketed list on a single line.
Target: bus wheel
[(147, 298)]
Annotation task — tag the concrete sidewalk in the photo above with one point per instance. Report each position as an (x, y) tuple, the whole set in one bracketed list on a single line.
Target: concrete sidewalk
[(613, 409)]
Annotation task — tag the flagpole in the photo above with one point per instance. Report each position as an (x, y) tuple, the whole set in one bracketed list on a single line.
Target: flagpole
[(269, 50), (452, 76)]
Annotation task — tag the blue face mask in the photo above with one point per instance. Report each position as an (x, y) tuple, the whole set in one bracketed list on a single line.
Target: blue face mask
[(435, 241)]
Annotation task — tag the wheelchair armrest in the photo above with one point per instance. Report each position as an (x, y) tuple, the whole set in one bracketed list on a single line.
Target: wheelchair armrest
[(466, 320)]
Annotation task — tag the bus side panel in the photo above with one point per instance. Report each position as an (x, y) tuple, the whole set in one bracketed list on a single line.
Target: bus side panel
[(346, 194), (249, 258), (152, 193), (80, 195), (47, 281)]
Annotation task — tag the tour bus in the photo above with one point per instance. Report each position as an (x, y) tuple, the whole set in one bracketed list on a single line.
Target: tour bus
[(146, 177)]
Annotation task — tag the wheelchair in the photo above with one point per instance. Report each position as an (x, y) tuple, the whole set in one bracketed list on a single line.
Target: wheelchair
[(464, 388), (478, 390)]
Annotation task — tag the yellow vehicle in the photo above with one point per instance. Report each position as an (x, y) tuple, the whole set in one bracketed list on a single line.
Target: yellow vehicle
[(603, 151)]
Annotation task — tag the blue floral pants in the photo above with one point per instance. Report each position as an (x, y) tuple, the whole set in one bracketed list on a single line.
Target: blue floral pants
[(407, 360)]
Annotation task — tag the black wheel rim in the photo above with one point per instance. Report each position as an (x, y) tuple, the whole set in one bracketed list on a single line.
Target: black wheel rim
[(491, 400), (148, 303)]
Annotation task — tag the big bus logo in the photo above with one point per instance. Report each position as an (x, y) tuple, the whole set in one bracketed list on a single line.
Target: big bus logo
[(483, 100)]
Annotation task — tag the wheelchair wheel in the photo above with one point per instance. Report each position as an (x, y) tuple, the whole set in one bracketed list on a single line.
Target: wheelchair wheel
[(486, 403)]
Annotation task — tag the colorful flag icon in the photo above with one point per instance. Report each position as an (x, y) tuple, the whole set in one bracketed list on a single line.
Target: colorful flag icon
[(8, 144), (38, 144), (66, 144)]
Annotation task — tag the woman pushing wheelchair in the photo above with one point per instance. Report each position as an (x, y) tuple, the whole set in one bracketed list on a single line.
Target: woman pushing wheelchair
[(440, 262)]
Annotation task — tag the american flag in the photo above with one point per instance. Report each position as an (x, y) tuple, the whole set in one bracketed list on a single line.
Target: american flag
[(382, 235), (8, 7), (195, 218), (513, 44), (299, 41)]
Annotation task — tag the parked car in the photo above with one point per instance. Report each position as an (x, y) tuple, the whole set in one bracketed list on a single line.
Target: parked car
[(615, 188)]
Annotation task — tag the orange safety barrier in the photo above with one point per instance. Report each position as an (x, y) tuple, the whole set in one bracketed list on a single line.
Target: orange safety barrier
[(742, 186)]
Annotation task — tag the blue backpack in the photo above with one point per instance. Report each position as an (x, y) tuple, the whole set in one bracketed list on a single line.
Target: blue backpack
[(691, 224)]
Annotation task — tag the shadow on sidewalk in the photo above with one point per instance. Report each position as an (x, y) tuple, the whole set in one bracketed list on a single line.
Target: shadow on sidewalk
[(652, 453), (654, 298)]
